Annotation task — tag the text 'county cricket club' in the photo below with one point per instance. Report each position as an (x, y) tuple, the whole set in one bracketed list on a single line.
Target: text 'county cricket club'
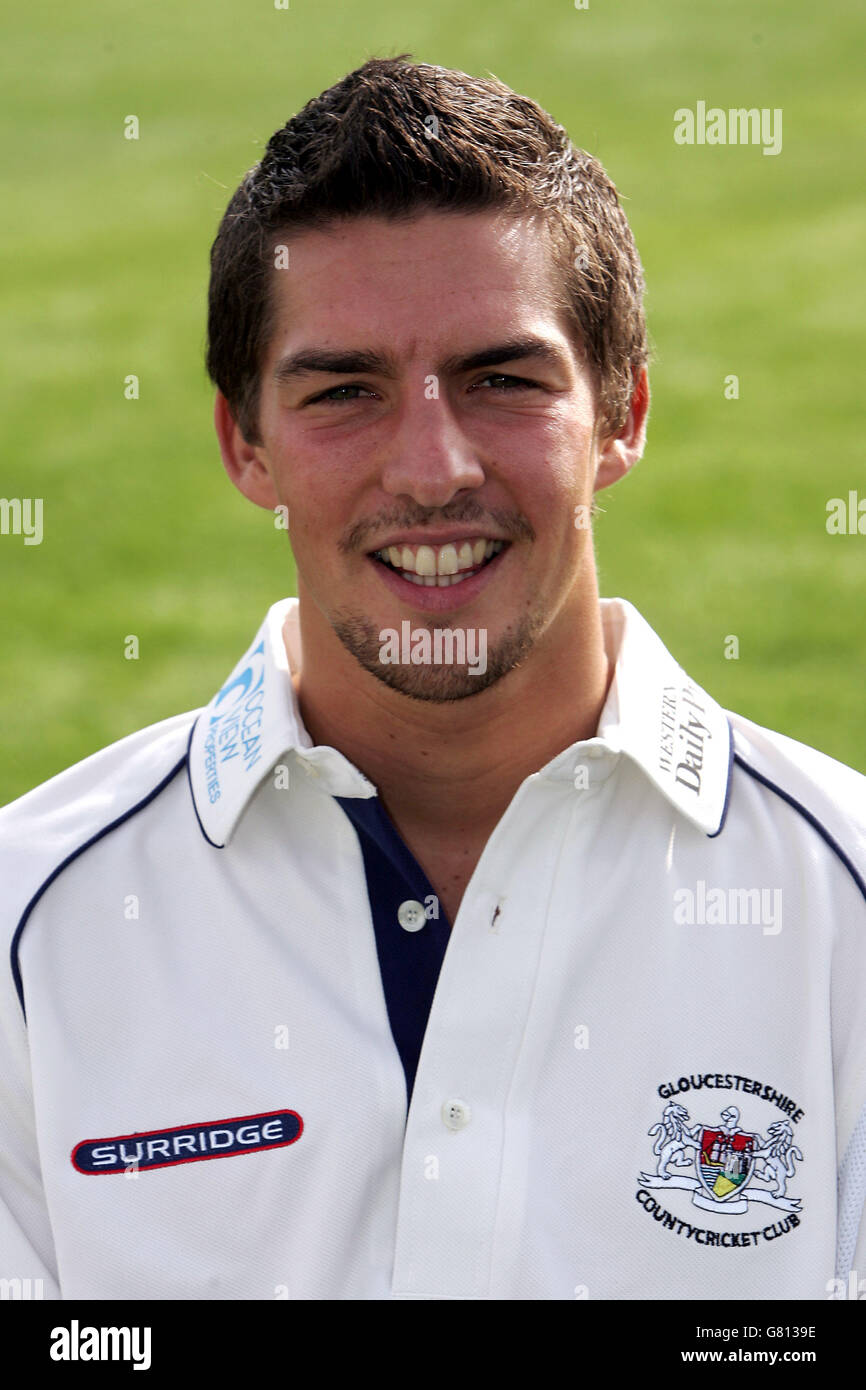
[(729, 1170), (235, 721)]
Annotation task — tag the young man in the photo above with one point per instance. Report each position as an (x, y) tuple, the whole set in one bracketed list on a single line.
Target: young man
[(499, 959)]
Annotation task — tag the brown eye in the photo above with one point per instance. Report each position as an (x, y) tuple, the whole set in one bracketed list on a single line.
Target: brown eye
[(506, 383), (331, 393)]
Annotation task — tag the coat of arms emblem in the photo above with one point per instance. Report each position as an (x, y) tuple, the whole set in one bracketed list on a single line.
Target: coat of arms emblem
[(722, 1164)]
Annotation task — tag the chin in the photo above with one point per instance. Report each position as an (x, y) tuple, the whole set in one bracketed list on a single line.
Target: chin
[(424, 660)]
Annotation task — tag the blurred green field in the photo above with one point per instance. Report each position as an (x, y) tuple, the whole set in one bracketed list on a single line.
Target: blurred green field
[(754, 266)]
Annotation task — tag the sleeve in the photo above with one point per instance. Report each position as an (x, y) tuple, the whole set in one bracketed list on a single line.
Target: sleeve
[(851, 1250), (38, 833), (28, 1265), (836, 794)]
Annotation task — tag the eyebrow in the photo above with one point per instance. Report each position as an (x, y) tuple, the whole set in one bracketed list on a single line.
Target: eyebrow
[(349, 361)]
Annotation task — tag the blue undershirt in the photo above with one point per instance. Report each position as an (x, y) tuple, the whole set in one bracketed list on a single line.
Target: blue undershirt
[(409, 961)]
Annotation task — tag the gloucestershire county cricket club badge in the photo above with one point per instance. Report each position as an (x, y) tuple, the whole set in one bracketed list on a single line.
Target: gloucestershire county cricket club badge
[(725, 1163), (727, 1168)]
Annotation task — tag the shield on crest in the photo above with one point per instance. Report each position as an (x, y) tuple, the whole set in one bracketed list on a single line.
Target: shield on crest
[(725, 1162)]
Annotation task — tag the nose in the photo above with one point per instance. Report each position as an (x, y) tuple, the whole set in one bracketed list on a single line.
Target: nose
[(429, 457)]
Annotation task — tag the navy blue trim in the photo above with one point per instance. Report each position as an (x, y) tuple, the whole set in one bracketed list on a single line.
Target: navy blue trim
[(409, 962), (807, 815), (728, 785), (139, 806), (191, 792)]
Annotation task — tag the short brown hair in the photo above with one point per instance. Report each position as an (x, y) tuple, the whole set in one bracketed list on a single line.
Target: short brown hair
[(395, 138)]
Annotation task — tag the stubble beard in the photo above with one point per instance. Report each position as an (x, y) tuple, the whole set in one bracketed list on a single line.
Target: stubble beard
[(439, 684)]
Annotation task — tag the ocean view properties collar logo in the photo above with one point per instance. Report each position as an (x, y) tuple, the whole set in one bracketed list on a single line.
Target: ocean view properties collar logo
[(234, 723), (247, 726)]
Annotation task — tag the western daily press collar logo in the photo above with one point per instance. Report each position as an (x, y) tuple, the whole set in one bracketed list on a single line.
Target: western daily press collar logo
[(235, 722), (164, 1148), (684, 736), (672, 728), (727, 1168)]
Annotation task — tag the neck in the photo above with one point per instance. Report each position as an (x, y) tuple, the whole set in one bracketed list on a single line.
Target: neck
[(450, 770)]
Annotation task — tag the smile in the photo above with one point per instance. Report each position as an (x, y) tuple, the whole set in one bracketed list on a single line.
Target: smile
[(439, 566)]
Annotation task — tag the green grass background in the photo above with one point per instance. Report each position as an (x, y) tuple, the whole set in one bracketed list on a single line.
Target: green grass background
[(754, 266)]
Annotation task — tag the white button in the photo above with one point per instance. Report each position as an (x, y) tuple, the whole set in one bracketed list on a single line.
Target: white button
[(456, 1114), (411, 915), (309, 769), (595, 750)]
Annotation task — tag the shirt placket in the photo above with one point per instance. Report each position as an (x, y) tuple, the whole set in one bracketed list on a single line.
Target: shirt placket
[(451, 1198)]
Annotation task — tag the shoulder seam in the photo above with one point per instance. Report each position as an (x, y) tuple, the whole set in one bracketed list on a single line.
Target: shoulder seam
[(106, 829), (808, 816)]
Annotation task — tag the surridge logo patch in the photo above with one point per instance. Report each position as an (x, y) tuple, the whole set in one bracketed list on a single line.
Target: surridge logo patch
[(726, 1168), (164, 1148)]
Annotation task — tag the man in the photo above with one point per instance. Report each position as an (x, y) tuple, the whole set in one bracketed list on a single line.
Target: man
[(459, 890)]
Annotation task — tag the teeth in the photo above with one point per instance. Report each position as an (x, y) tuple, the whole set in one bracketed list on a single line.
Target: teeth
[(439, 566), (439, 581), (425, 561), (447, 562)]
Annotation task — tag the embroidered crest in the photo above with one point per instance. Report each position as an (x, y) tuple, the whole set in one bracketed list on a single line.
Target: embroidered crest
[(727, 1168)]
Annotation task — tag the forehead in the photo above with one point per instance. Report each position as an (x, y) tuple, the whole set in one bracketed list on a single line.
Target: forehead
[(418, 282)]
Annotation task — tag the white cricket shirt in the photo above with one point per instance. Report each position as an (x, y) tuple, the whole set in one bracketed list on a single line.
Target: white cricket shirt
[(643, 1074)]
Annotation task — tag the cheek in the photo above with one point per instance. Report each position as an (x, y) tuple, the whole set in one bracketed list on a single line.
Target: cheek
[(315, 492), (556, 476), (311, 531), (561, 500), (320, 502)]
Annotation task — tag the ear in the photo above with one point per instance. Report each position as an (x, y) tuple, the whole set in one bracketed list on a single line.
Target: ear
[(245, 463), (619, 452)]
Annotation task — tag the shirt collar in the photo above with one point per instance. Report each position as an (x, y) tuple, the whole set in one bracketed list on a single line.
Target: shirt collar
[(252, 724), (661, 719), (653, 714)]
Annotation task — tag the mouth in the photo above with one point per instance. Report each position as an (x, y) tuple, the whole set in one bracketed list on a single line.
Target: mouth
[(439, 566)]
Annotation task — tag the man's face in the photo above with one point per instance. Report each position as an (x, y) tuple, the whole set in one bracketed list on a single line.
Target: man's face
[(430, 427)]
